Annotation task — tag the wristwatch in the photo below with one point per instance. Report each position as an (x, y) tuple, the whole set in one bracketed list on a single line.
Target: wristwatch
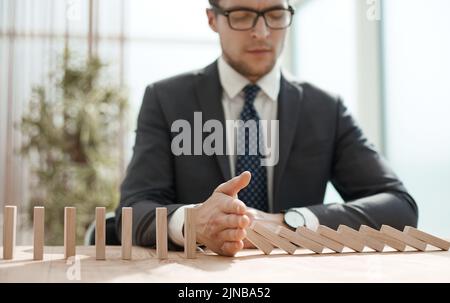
[(293, 218)]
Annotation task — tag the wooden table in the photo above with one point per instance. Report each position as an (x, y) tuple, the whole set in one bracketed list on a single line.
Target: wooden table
[(247, 266)]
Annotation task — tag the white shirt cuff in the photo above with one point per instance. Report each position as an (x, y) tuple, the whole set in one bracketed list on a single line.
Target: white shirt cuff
[(176, 224), (311, 221)]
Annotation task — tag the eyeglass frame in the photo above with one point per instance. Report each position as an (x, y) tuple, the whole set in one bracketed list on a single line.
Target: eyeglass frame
[(226, 13)]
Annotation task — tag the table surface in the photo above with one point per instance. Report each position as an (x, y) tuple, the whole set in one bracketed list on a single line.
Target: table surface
[(246, 266)]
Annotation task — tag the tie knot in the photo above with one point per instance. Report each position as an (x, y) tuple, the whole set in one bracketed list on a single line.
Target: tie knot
[(250, 92)]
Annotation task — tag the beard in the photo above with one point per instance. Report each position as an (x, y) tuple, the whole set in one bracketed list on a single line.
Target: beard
[(250, 71), (253, 71)]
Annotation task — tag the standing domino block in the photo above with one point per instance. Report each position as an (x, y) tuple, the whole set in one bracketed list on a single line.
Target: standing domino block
[(403, 237), (340, 238), (273, 237), (161, 232), (312, 235), (127, 232), (38, 232), (368, 241), (100, 233), (190, 237), (425, 237), (9, 231), (369, 231), (259, 241), (69, 232), (298, 239)]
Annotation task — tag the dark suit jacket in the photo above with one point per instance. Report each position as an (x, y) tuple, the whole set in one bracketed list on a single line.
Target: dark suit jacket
[(318, 142)]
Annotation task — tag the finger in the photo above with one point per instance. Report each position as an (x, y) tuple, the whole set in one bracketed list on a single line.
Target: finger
[(231, 248), (230, 235), (234, 206), (234, 185), (234, 221), (252, 214)]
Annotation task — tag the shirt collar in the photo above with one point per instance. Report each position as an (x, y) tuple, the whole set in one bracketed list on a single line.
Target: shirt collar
[(233, 82)]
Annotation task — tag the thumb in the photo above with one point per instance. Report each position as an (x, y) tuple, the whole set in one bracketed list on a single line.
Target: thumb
[(233, 186)]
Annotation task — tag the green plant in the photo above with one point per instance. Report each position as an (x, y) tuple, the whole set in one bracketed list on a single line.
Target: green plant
[(71, 131)]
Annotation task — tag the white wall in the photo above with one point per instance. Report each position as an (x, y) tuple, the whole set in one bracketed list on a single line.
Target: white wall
[(417, 104)]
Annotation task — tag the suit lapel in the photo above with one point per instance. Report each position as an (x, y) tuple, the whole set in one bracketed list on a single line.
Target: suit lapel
[(209, 95), (289, 103)]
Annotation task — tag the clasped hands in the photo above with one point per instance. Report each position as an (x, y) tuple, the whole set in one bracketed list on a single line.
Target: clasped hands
[(221, 220)]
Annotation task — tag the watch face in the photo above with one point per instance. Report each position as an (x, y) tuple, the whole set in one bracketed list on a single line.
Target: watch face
[(294, 219)]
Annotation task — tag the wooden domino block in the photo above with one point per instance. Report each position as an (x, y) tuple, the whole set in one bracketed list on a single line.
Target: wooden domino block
[(259, 241), (38, 232), (316, 237), (272, 237), (161, 233), (367, 240), (298, 239), (403, 237), (9, 231), (190, 236), (100, 233), (69, 232), (340, 238), (425, 237), (369, 231), (127, 233)]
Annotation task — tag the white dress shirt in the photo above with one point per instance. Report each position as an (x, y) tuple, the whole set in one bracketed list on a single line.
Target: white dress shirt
[(266, 104)]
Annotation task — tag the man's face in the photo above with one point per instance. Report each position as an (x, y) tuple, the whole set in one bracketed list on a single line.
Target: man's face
[(253, 53)]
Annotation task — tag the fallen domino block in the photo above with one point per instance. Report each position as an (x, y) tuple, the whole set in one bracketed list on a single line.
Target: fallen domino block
[(273, 237), (127, 233), (403, 237), (259, 241), (425, 237), (69, 232), (341, 238), (161, 233), (299, 239), (367, 240), (9, 231), (190, 238), (369, 231), (100, 233), (38, 232), (316, 237)]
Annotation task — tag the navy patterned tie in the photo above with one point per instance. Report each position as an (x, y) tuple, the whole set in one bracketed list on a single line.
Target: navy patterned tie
[(255, 194)]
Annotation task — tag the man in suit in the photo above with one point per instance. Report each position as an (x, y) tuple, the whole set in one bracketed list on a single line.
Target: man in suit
[(316, 141)]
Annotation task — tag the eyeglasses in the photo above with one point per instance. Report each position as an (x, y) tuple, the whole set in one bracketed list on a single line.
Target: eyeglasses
[(242, 19)]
